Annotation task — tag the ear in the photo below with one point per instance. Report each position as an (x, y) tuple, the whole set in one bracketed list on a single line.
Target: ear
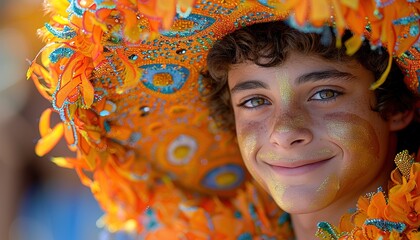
[(400, 120)]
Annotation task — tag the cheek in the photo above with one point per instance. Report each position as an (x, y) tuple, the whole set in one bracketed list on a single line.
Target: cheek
[(247, 134), (326, 192), (353, 132), (248, 144), (356, 137)]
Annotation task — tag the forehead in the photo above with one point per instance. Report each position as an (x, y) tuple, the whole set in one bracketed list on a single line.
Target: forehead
[(295, 66)]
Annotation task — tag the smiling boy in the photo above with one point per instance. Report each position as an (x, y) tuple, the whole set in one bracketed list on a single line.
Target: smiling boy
[(125, 79), (310, 130)]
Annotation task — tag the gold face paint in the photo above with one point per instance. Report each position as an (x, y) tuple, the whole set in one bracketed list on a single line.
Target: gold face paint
[(354, 132), (325, 183), (289, 123), (248, 143), (285, 89), (360, 145), (351, 140), (278, 194), (358, 139), (327, 191)]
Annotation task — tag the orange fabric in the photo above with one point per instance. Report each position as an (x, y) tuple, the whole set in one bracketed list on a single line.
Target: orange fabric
[(124, 77)]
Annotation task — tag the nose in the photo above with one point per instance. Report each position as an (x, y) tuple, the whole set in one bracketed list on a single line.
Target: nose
[(290, 131)]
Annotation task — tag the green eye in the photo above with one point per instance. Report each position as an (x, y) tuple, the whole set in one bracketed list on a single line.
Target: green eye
[(326, 94), (255, 102)]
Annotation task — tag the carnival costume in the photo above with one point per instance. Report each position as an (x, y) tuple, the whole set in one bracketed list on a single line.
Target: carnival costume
[(125, 78)]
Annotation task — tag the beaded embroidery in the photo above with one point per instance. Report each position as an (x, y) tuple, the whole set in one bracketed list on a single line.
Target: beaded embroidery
[(383, 216), (124, 77)]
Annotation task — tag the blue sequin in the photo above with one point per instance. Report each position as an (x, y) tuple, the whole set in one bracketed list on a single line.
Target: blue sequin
[(75, 8), (105, 112), (414, 30), (247, 19), (60, 53), (201, 85), (265, 3), (200, 23), (326, 37), (186, 208), (252, 211), (133, 57), (64, 111), (327, 228), (210, 224), (152, 223), (107, 126), (209, 181), (214, 8), (134, 138), (245, 236), (106, 6), (385, 225), (406, 20), (112, 65), (417, 46), (285, 217), (307, 28), (382, 4), (99, 94), (66, 33), (178, 73)]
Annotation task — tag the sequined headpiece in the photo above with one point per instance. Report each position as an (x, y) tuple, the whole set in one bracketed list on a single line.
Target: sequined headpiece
[(124, 77)]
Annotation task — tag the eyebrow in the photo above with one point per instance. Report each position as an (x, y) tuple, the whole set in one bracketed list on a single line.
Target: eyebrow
[(321, 75), (308, 77), (247, 85)]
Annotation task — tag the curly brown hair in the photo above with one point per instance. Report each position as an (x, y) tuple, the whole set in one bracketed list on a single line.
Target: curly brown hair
[(274, 41)]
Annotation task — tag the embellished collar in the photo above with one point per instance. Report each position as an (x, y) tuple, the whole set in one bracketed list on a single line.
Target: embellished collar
[(392, 215)]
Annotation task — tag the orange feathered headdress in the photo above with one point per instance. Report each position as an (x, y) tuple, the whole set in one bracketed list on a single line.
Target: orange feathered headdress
[(124, 77)]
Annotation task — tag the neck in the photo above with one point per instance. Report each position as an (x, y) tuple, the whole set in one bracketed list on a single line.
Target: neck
[(305, 225)]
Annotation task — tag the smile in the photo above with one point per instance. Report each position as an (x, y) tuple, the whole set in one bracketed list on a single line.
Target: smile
[(298, 168)]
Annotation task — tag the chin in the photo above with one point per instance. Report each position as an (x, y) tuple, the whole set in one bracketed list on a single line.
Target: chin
[(302, 199), (302, 207)]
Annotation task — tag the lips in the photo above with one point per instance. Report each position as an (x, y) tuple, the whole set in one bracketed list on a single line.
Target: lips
[(298, 167)]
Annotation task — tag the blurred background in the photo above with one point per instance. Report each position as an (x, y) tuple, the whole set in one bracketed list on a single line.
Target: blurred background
[(38, 200)]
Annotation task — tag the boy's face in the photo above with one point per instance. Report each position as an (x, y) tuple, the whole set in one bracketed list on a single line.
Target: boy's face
[(307, 132)]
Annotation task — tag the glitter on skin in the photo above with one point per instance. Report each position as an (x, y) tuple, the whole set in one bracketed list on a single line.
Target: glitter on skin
[(286, 94), (355, 132), (289, 124), (356, 135), (285, 89), (249, 142), (328, 189), (278, 191)]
